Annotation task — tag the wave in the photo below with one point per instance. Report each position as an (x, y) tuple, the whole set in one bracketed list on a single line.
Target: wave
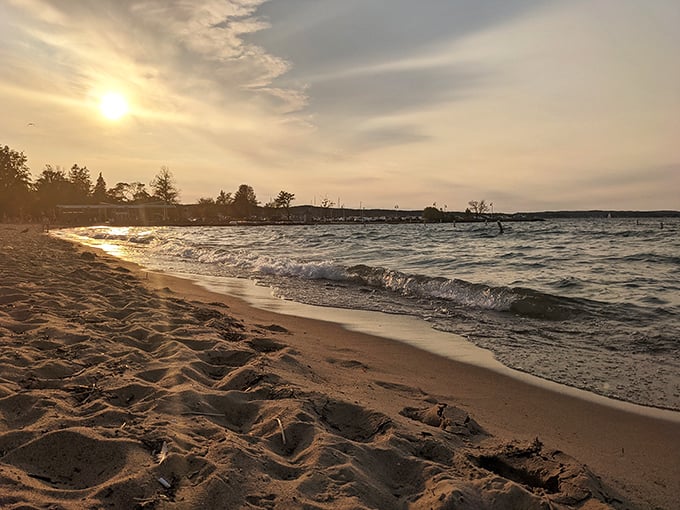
[(454, 293), (322, 270), (251, 262), (137, 239), (654, 258), (516, 300), (122, 234)]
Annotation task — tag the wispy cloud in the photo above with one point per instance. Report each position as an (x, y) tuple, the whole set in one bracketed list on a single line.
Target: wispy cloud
[(198, 90), (363, 61), (180, 46)]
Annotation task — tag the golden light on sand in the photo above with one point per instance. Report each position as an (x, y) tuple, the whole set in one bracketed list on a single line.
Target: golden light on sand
[(113, 105)]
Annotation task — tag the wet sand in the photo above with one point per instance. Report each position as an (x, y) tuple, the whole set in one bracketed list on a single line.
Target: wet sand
[(126, 389)]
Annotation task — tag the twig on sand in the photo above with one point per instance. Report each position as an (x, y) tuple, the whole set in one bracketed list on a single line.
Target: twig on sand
[(283, 434), (76, 374), (163, 454)]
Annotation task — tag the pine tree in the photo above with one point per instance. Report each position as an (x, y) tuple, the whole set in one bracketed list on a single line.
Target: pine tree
[(244, 201), (163, 186), (99, 191), (284, 199)]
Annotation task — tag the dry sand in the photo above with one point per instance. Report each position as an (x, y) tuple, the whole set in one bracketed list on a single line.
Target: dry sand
[(123, 389)]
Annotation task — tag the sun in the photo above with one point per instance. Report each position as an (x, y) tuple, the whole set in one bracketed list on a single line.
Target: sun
[(113, 105)]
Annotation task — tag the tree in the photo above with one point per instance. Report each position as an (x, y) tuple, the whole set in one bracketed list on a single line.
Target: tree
[(326, 203), (120, 193), (99, 190), (207, 208), (244, 201), (163, 186), (138, 192), (283, 199), (15, 181), (478, 208), (52, 188), (223, 198), (81, 184), (432, 214)]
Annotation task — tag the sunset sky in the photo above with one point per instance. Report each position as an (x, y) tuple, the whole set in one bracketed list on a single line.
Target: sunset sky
[(529, 104)]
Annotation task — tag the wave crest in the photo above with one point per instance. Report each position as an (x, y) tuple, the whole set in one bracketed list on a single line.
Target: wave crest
[(519, 301)]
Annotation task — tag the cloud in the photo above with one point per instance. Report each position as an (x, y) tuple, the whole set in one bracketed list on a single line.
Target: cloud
[(214, 32), (193, 47), (387, 92), (362, 60), (198, 90), (370, 139), (327, 34)]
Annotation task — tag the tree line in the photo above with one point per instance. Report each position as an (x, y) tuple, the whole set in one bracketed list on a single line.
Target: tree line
[(477, 209), (244, 203), (23, 197)]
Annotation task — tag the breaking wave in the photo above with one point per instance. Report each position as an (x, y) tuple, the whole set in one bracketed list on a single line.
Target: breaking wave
[(519, 301)]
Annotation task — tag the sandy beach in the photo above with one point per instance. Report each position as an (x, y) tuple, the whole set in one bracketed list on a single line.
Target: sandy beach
[(121, 388)]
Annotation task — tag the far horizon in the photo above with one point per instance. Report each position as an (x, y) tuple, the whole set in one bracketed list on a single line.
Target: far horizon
[(532, 105)]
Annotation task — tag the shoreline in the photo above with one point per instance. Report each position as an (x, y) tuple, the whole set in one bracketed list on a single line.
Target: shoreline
[(363, 376), (407, 330), (598, 338), (542, 412), (605, 437)]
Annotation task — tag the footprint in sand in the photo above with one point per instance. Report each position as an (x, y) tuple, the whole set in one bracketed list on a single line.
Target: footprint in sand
[(74, 459)]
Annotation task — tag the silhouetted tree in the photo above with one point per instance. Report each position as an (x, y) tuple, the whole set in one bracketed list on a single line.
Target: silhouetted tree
[(244, 202), (120, 193), (138, 193), (163, 186), (81, 184), (223, 198), (99, 190), (478, 207), (52, 188), (326, 204), (283, 199), (433, 214), (207, 208), (15, 182)]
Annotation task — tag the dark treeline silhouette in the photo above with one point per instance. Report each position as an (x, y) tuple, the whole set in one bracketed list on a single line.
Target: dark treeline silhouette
[(22, 198), (71, 197), (15, 182)]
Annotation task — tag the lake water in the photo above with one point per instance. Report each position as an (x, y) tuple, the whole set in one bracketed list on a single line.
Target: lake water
[(590, 303)]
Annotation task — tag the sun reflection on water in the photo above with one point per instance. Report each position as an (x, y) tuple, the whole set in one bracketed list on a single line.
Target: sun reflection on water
[(113, 249)]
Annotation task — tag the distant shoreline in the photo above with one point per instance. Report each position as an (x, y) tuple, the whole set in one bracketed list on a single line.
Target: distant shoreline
[(313, 215)]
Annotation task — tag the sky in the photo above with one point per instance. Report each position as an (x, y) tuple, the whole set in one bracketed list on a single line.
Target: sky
[(528, 104)]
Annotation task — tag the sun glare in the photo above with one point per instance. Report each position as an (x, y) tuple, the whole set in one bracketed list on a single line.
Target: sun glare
[(113, 106)]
